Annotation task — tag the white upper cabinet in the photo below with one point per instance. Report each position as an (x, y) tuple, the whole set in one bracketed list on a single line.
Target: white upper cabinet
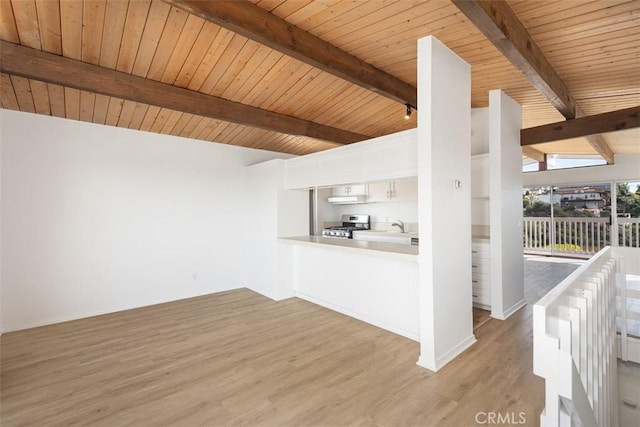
[(385, 157), (350, 190), (397, 190), (301, 173), (341, 167), (395, 156)]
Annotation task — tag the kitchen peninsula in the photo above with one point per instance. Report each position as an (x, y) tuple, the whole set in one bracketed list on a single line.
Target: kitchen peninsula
[(371, 281), (423, 293)]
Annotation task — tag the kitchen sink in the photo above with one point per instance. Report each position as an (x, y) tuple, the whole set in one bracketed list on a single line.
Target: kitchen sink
[(387, 236)]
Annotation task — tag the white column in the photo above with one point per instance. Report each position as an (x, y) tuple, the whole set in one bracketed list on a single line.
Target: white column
[(444, 169), (272, 212), (505, 206)]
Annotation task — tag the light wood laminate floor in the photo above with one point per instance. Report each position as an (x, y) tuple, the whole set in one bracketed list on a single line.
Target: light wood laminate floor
[(237, 358)]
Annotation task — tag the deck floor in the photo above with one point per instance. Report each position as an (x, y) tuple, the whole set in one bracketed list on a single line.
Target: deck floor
[(237, 358)]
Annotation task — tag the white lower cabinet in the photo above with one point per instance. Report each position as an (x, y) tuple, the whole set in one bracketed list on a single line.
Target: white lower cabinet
[(480, 275)]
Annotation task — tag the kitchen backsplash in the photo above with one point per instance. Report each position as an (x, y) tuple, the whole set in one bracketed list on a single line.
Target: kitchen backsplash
[(409, 227)]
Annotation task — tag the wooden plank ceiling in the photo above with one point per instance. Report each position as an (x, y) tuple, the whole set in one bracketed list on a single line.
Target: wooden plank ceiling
[(594, 46)]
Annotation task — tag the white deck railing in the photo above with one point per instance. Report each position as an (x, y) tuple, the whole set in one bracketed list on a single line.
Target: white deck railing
[(628, 303), (576, 235), (574, 345)]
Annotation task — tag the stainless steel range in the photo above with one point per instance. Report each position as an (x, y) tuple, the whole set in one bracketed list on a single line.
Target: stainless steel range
[(349, 224)]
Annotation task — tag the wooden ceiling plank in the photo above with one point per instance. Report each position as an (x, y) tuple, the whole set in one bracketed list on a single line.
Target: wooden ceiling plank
[(288, 8), (197, 54), (139, 113), (56, 100), (150, 118), (295, 103), (100, 109), (128, 108), (71, 28), (320, 16), (113, 113), (92, 25), (208, 130), (49, 24), (235, 74), (210, 59), (169, 37), (115, 18), (593, 41), (227, 70), (191, 126), (132, 34), (160, 120), (25, 13), (532, 153), (24, 97), (87, 105), (171, 122), (357, 19), (622, 39), (7, 93), (612, 121), (497, 21), (181, 124), (258, 72), (276, 66), (398, 27), (235, 44), (153, 31), (540, 12), (253, 22), (269, 4), (199, 126), (313, 82), (72, 103), (8, 30), (568, 34), (50, 68), (581, 20), (186, 42)]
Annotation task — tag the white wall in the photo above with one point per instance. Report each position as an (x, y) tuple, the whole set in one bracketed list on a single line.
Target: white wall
[(444, 156), (382, 211), (272, 212), (505, 183), (479, 131), (98, 219)]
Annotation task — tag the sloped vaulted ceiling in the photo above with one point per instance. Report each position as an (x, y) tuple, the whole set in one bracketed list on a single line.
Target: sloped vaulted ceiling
[(594, 46)]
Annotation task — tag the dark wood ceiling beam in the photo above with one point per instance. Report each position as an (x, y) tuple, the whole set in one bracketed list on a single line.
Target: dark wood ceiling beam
[(34, 64), (255, 23), (612, 121), (534, 154), (497, 21)]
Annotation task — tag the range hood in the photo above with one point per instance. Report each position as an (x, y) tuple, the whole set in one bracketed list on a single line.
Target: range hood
[(347, 200)]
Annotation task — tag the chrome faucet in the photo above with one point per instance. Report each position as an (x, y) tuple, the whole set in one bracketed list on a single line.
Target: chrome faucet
[(399, 224)]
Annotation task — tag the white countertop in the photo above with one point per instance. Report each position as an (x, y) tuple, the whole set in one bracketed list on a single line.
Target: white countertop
[(377, 248)]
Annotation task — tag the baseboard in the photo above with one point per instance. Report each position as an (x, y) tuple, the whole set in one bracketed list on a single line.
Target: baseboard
[(415, 336), (78, 316), (441, 361), (507, 313), (271, 295)]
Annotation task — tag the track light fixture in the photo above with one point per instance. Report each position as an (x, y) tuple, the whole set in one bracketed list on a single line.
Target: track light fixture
[(410, 109)]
